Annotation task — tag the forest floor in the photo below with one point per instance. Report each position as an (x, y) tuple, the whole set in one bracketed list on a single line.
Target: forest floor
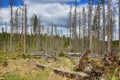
[(16, 67)]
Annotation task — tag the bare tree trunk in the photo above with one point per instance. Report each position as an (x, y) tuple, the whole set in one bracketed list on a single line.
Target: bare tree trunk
[(70, 26), (98, 29), (109, 27), (24, 28), (104, 26), (119, 25), (52, 40), (84, 28), (74, 27), (11, 23), (80, 39), (39, 39), (89, 25), (22, 32)]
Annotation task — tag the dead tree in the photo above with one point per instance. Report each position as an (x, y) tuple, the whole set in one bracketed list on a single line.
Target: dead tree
[(84, 28), (104, 25), (11, 24), (98, 28), (90, 25), (74, 24), (52, 37), (80, 39), (25, 28), (70, 24), (95, 29), (119, 25), (39, 33), (109, 28)]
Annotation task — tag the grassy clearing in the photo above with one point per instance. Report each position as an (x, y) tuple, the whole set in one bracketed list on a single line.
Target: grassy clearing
[(21, 68), (24, 68)]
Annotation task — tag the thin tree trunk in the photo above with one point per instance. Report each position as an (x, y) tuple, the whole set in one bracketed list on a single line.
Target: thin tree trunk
[(104, 26), (70, 25), (25, 26), (119, 25), (11, 23), (84, 28), (109, 27), (89, 25), (80, 39), (74, 27)]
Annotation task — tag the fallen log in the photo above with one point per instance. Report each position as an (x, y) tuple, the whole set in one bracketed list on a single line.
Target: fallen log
[(71, 75), (40, 66)]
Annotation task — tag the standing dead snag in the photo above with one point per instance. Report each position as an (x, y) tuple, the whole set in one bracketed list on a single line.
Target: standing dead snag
[(84, 29), (74, 25), (90, 25), (109, 28), (11, 24), (70, 25), (24, 28), (104, 25)]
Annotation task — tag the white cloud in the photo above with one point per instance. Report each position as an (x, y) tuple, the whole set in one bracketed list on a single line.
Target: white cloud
[(49, 13)]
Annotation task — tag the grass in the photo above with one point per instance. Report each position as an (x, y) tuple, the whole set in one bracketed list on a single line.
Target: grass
[(12, 76), (23, 67)]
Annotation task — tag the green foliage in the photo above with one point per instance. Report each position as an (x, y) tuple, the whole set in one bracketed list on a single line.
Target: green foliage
[(73, 61), (35, 23), (26, 56), (11, 76), (62, 54), (19, 48), (113, 75)]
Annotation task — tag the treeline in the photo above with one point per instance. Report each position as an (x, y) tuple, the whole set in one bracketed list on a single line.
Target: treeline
[(33, 44)]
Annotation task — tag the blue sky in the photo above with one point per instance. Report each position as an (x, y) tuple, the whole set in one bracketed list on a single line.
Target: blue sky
[(6, 3), (82, 2)]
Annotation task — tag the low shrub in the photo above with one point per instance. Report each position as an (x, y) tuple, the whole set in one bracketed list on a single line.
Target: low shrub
[(62, 54)]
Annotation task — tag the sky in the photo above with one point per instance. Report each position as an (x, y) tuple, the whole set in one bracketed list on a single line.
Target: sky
[(6, 3), (48, 10)]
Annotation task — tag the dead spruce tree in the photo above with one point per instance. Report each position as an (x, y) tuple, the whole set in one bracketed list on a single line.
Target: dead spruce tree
[(90, 25), (109, 48), (119, 25), (83, 23), (74, 25), (70, 25), (80, 38), (25, 28), (11, 24), (104, 25)]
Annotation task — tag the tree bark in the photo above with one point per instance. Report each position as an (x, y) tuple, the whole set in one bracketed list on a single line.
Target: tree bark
[(119, 25), (90, 25), (109, 28), (11, 23)]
